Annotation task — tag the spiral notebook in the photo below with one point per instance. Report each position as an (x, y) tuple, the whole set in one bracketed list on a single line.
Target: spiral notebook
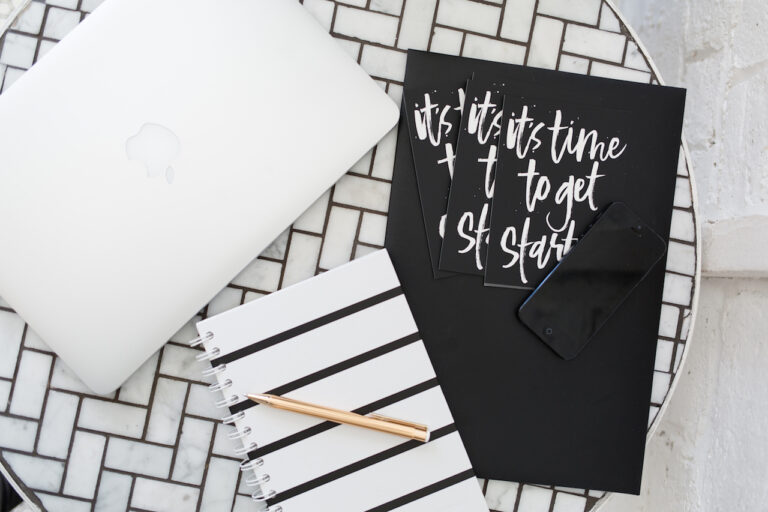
[(344, 339)]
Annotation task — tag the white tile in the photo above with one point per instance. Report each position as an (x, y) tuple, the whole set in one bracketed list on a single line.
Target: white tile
[(683, 193), (383, 63), (571, 64), (358, 3), (180, 362), (193, 451), (322, 10), (339, 238), (668, 322), (138, 457), (388, 6), (501, 496), (679, 356), (64, 378), (167, 407), (84, 465), (681, 258), (363, 165), (91, 5), (32, 340), (592, 42), (276, 250), (260, 275), (362, 192), (518, 15), (584, 11), (534, 499), (373, 229), (491, 49), (115, 418), (596, 494), (302, 258), (446, 41), (11, 75), (5, 392), (58, 503), (220, 483), (569, 503), (162, 496), (686, 324), (31, 384), (366, 25), (682, 168), (608, 20), (363, 250), (653, 411), (416, 24), (222, 444), (468, 15), (114, 492), (395, 92), (31, 19), (682, 227), (571, 490), (634, 57), (139, 386), (45, 47), (11, 329), (69, 4), (18, 434), (661, 383), (18, 50), (351, 47), (36, 473), (225, 300), (313, 218), (619, 73), (243, 504), (664, 351), (201, 403), (677, 289), (60, 22), (249, 296), (187, 331), (385, 155), (58, 421), (545, 43)]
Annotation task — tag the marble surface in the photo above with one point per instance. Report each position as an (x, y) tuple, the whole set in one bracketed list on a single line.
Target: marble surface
[(157, 443)]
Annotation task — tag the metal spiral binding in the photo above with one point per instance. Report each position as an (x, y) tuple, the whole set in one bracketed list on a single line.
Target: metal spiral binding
[(258, 479)]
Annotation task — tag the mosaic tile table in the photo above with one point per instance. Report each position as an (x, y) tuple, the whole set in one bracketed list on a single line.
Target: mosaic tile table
[(156, 443)]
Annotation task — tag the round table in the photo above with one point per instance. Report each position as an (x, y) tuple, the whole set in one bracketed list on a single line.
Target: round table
[(156, 443)]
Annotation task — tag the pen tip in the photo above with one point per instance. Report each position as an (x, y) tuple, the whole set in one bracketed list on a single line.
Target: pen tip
[(258, 398)]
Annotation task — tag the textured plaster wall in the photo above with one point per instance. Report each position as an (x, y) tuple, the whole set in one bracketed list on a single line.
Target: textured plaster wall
[(710, 452)]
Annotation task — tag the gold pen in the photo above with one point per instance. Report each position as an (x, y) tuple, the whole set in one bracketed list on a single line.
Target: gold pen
[(374, 421)]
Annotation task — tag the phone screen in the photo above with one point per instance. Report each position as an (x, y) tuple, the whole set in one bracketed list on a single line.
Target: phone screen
[(592, 280)]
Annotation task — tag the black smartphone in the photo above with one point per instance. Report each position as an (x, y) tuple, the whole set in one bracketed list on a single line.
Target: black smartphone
[(592, 280)]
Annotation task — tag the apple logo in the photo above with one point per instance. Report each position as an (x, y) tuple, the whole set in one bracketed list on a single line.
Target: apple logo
[(156, 146)]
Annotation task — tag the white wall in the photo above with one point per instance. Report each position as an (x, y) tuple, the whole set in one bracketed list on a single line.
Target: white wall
[(710, 452)]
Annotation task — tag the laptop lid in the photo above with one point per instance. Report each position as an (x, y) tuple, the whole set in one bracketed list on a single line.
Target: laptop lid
[(153, 153)]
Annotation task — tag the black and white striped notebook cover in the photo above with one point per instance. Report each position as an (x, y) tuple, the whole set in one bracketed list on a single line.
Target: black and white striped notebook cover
[(345, 339)]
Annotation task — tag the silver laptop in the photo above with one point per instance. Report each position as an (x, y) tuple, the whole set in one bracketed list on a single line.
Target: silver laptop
[(153, 153)]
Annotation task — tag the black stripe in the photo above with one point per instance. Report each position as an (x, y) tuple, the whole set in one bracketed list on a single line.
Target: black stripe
[(327, 425), (357, 466), (306, 327), (424, 491), (333, 369)]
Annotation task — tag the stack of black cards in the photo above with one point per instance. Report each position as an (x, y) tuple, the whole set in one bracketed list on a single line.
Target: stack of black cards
[(499, 170)]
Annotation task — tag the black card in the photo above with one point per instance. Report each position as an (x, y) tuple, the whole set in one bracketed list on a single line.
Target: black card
[(524, 413), (434, 118), (468, 219), (560, 162)]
